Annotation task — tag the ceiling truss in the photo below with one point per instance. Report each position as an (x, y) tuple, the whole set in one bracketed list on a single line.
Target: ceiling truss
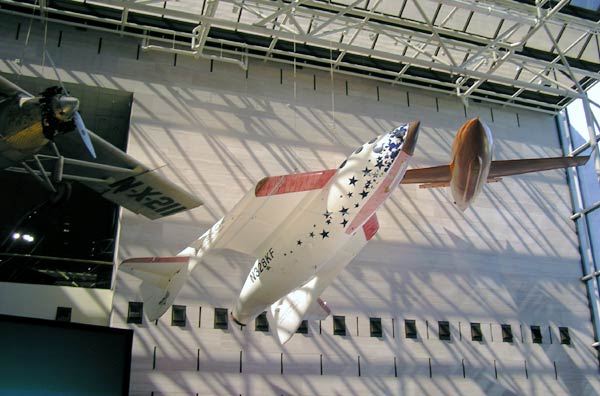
[(489, 51)]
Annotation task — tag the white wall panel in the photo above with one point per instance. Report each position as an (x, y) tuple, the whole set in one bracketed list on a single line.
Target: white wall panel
[(511, 258)]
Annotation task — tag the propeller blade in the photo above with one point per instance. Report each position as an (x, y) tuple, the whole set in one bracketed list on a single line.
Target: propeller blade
[(83, 133), (85, 136), (56, 72)]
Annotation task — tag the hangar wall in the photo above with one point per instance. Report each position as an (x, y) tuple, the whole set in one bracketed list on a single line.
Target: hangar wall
[(91, 306), (511, 259)]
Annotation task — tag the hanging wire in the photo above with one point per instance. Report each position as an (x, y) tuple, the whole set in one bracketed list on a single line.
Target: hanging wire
[(44, 45), (295, 109), (333, 126), (20, 70), (294, 69)]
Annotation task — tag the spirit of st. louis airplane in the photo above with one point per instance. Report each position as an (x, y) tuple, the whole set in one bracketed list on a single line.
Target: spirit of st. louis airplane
[(305, 228), (35, 135)]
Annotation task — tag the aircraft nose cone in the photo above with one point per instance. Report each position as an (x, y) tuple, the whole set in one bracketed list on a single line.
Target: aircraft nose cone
[(472, 124), (65, 107), (475, 126), (477, 133), (410, 140)]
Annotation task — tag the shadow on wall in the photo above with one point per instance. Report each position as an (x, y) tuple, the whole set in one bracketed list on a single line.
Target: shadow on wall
[(224, 132)]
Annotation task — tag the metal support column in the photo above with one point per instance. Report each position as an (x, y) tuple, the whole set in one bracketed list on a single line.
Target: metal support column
[(588, 264)]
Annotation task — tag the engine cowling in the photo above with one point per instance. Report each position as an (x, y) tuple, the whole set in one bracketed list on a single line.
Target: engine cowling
[(57, 109), (471, 160)]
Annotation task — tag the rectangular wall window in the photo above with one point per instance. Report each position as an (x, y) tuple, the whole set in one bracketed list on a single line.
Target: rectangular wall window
[(303, 329), (63, 314), (375, 325), (444, 330), (135, 313), (261, 323), (507, 334), (221, 318), (536, 334), (178, 316), (339, 325), (476, 334), (565, 337), (410, 328)]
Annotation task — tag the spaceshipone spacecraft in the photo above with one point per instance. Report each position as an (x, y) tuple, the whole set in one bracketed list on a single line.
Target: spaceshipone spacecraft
[(303, 229)]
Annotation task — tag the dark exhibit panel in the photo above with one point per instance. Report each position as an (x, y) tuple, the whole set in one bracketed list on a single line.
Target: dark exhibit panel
[(46, 357)]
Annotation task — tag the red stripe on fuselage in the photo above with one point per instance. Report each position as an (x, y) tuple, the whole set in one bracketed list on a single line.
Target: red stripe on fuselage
[(293, 183), (181, 259), (323, 305), (380, 195), (371, 226)]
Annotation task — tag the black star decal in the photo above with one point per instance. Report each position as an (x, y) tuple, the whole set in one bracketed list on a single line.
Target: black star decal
[(327, 214), (379, 164), (364, 194), (328, 221), (312, 234), (299, 243), (344, 222), (344, 211), (368, 184), (353, 181), (366, 171), (349, 195), (324, 234), (356, 205)]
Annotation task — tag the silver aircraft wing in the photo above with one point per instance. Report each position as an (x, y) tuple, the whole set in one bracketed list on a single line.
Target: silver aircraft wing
[(122, 179), (439, 176), (9, 89)]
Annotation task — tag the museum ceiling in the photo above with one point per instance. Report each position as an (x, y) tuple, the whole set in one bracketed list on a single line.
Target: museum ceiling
[(518, 53)]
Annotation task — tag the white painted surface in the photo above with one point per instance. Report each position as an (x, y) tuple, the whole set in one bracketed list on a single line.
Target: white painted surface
[(91, 306), (512, 258)]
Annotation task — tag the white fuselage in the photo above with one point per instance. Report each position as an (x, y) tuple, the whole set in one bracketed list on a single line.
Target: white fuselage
[(306, 242)]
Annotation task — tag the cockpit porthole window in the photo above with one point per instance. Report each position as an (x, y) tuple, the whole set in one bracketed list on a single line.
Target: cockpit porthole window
[(378, 148), (400, 132), (343, 164), (358, 150)]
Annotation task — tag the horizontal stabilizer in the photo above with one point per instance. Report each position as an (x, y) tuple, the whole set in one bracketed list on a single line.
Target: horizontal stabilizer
[(162, 279)]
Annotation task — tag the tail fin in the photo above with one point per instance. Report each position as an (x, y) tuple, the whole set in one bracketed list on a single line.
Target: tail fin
[(286, 315), (162, 279)]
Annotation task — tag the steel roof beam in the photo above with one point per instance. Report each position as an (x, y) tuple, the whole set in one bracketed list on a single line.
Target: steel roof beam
[(330, 18), (434, 32), (326, 44), (539, 24)]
